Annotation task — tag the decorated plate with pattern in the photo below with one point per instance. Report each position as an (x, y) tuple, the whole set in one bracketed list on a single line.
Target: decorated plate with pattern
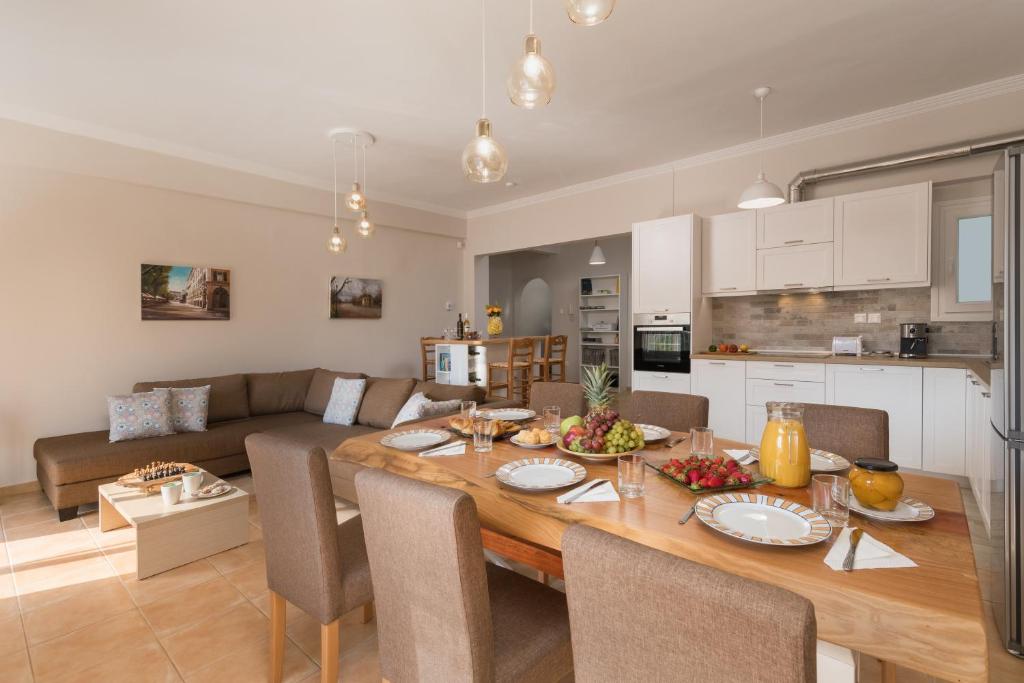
[(763, 519), (540, 474), (821, 461), (907, 510), (415, 439)]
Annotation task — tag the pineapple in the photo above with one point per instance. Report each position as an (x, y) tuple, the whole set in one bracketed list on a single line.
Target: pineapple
[(597, 387), (601, 420)]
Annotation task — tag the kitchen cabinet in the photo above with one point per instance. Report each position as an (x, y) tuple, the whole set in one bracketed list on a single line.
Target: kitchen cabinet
[(760, 391), (787, 225), (724, 384), (981, 445), (894, 389), (757, 419), (806, 266), (662, 257), (671, 382), (780, 381), (944, 420), (729, 254), (883, 238)]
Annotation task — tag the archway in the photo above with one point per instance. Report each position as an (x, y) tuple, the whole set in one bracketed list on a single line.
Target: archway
[(533, 314), (220, 299)]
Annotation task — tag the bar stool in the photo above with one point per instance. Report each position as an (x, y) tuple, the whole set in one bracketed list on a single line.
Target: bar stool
[(427, 350), (518, 371), (552, 357)]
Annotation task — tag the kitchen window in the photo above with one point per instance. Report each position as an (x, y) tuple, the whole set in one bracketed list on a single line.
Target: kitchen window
[(962, 284)]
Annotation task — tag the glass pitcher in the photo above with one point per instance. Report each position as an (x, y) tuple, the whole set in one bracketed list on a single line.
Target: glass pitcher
[(785, 456)]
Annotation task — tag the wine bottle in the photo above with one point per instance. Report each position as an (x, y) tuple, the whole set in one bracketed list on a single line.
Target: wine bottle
[(460, 328)]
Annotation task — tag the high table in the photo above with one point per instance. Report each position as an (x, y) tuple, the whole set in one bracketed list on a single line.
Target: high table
[(928, 618)]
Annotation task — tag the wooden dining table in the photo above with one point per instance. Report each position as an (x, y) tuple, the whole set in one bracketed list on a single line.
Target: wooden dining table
[(927, 618)]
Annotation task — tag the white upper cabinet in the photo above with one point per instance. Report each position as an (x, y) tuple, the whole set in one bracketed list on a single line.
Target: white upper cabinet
[(882, 238), (662, 256), (729, 254), (800, 267), (794, 224)]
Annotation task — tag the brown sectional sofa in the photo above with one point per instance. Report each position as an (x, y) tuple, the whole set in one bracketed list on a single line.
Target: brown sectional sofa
[(290, 404)]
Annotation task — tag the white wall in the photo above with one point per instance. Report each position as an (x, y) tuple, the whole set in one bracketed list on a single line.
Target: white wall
[(70, 250)]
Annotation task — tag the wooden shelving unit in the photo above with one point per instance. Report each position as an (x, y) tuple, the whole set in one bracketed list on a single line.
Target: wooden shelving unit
[(601, 322)]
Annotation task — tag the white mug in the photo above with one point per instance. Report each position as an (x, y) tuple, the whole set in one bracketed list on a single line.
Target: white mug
[(171, 492), (192, 481)]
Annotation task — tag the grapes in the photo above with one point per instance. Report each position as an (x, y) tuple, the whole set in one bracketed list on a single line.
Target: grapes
[(606, 432)]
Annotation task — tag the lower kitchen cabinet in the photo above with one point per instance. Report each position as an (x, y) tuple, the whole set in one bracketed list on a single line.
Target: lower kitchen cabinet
[(981, 446), (894, 389), (724, 384), (671, 382), (944, 414), (757, 418)]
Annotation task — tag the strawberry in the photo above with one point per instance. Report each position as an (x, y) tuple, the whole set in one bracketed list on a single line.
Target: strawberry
[(732, 464), (703, 482), (693, 475), (715, 482), (722, 471)]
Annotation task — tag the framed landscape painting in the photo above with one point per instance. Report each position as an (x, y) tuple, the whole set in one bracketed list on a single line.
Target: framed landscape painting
[(185, 293), (355, 297)]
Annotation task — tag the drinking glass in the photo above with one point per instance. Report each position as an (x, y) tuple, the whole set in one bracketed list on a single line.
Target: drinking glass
[(702, 442), (831, 496), (483, 435), (553, 420), (467, 409), (631, 476)]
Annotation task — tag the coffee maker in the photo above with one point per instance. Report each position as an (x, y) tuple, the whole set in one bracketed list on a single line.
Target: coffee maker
[(913, 340)]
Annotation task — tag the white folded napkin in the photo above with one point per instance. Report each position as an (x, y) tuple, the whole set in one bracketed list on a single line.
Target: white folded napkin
[(599, 494), (871, 553), (457, 448), (742, 456)]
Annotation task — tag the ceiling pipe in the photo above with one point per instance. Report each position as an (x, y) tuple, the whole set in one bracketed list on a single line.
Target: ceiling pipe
[(796, 186)]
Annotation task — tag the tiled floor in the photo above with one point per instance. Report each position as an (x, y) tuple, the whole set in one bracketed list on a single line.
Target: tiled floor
[(71, 609)]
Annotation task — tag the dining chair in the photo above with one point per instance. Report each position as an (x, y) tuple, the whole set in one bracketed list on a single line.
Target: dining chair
[(678, 412), (639, 614), (847, 431), (443, 613), (552, 358), (568, 397), (427, 349), (313, 562), (517, 370)]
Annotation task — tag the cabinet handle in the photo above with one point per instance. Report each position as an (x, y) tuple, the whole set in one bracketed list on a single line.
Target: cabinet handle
[(879, 279), (985, 394), (782, 384), (872, 369), (793, 242), (660, 376), (793, 284), (716, 362), (974, 383), (728, 289), (782, 365)]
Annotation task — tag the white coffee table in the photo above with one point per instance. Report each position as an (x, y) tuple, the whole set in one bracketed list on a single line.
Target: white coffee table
[(170, 536)]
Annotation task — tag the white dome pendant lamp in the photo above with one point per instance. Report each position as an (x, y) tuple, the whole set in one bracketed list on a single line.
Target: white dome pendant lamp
[(337, 242), (532, 79), (589, 12), (484, 159), (762, 193), (597, 256)]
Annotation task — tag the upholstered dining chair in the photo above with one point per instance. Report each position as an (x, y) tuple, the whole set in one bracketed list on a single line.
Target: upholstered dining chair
[(313, 562), (443, 613), (850, 432), (678, 412), (716, 627), (568, 397)]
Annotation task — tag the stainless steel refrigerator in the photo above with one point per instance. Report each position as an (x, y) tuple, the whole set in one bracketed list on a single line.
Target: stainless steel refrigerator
[(1007, 466)]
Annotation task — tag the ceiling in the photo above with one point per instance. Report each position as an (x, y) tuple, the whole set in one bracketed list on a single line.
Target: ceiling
[(258, 85)]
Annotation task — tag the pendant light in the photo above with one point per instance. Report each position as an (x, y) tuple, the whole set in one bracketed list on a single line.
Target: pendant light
[(337, 242), (356, 198), (364, 226), (484, 159), (589, 12), (597, 256), (762, 193), (532, 79)]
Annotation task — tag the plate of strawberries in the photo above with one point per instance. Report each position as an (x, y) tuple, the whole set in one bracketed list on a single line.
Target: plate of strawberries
[(703, 475)]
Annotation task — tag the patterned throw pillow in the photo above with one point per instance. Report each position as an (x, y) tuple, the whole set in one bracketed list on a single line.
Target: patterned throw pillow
[(140, 416), (344, 403), (189, 408), (419, 407)]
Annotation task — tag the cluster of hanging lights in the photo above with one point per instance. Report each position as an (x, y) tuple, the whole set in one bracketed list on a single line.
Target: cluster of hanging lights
[(529, 85), (355, 199)]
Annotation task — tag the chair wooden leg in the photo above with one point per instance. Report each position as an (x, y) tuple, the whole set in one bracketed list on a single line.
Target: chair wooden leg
[(368, 612), (329, 652), (278, 608), (888, 672)]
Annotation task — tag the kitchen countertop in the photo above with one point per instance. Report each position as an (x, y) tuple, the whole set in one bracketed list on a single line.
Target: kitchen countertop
[(979, 366)]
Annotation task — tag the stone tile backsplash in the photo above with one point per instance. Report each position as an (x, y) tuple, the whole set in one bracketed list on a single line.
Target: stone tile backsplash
[(809, 321)]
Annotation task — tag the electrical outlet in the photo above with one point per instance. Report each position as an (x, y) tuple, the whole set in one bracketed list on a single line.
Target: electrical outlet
[(448, 305), (860, 317), (874, 318)]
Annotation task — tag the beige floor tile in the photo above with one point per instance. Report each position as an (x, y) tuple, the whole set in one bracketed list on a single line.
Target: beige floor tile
[(362, 664), (24, 502), (19, 519), (190, 606), (305, 631), (171, 582), (236, 558), (49, 581), (115, 539), (251, 663), (1003, 667), (108, 640), (147, 663), (8, 595), (250, 579), (263, 604), (15, 667), (47, 540), (93, 602), (12, 639), (199, 645)]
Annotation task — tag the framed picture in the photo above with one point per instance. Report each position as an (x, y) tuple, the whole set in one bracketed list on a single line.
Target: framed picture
[(185, 293), (355, 297)]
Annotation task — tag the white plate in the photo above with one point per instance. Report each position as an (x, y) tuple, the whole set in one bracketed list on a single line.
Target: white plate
[(821, 461), (515, 439), (510, 414), (416, 439), (653, 433), (540, 474), (907, 510), (763, 519), (217, 490)]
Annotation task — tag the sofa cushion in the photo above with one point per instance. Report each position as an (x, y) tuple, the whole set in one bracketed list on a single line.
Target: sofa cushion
[(277, 392), (344, 404), (140, 416), (229, 396), (190, 408), (321, 386), (451, 392), (382, 400)]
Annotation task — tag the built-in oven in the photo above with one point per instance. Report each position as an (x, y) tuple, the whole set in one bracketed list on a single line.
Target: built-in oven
[(661, 342)]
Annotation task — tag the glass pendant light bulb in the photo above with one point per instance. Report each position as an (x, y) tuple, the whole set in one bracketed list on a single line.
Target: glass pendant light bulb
[(532, 79), (484, 159), (355, 199), (337, 243), (589, 12), (364, 226)]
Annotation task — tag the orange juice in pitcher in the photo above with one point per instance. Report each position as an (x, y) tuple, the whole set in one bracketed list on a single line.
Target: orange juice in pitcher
[(785, 455)]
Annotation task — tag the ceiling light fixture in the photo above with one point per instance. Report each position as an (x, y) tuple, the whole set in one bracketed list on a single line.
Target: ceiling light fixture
[(364, 226), (597, 256), (532, 79), (762, 193), (484, 159), (337, 242), (355, 199), (589, 12)]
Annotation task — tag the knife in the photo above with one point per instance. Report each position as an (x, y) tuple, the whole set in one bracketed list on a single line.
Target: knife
[(852, 552), (594, 484), (689, 513), (441, 449)]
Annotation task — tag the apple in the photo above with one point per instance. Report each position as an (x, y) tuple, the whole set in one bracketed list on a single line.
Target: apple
[(575, 432), (569, 422), (723, 347), (733, 348), (744, 348)]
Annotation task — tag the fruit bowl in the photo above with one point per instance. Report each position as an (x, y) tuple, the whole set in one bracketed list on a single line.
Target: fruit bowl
[(595, 457)]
